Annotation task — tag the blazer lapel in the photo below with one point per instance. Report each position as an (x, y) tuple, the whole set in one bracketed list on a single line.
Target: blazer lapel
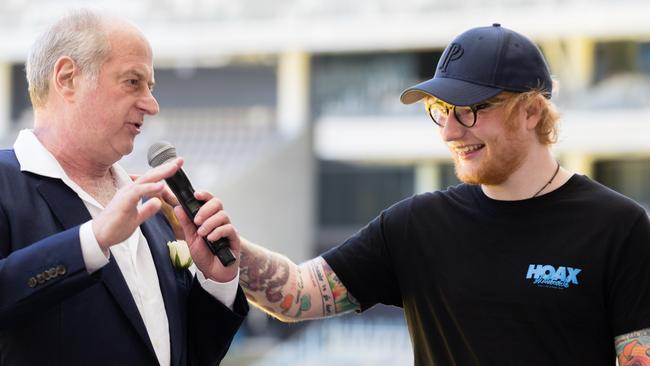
[(66, 206), (157, 234), (70, 211)]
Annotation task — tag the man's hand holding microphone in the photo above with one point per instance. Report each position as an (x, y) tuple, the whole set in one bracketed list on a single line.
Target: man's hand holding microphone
[(213, 241)]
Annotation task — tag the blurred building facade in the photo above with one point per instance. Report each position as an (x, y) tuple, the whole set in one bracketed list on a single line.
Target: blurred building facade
[(289, 110)]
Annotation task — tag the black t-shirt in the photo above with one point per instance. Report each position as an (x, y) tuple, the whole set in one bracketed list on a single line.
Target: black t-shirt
[(544, 281)]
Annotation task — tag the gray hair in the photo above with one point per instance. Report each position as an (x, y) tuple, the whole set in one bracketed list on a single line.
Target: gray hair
[(80, 35)]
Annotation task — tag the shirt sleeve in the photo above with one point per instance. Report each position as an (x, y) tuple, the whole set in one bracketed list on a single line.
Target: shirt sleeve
[(365, 263), (226, 292), (92, 254), (629, 280)]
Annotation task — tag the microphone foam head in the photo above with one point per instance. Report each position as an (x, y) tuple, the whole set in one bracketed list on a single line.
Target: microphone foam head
[(160, 152)]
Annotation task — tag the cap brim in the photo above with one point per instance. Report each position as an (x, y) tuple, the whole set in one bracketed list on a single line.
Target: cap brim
[(452, 91)]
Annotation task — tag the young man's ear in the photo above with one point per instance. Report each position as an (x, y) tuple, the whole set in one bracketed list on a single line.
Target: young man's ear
[(65, 73), (534, 109)]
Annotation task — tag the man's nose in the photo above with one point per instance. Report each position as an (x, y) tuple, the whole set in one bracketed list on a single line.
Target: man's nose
[(453, 130), (148, 104)]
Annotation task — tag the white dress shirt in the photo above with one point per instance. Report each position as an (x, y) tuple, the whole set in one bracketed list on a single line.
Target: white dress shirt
[(132, 255)]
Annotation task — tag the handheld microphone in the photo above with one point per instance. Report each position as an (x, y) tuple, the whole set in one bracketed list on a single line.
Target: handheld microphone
[(163, 151)]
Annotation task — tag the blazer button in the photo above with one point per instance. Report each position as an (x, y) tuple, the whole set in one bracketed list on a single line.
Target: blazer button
[(60, 270), (40, 278), (32, 282), (52, 272)]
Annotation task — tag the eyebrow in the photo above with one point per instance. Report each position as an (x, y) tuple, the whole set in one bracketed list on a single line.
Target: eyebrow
[(140, 76)]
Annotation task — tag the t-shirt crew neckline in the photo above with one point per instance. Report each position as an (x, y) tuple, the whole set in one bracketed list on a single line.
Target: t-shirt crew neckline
[(514, 207)]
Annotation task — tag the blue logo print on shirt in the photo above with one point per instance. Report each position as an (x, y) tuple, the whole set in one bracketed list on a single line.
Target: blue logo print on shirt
[(547, 276)]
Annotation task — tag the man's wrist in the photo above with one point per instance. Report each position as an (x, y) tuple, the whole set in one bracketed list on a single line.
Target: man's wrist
[(93, 255), (97, 236), (225, 292)]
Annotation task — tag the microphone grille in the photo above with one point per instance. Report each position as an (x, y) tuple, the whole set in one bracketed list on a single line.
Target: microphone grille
[(160, 152)]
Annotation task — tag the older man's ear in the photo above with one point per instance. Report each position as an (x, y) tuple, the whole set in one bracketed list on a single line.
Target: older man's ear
[(65, 76)]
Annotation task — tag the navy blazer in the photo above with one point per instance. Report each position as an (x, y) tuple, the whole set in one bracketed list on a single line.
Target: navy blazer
[(52, 312)]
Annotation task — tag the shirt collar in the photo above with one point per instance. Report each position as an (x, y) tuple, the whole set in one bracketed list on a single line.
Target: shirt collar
[(33, 157)]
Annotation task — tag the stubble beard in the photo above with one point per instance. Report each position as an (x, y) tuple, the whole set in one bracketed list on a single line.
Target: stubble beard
[(504, 157)]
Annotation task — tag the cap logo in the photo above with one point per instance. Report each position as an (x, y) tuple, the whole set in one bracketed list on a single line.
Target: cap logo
[(454, 52)]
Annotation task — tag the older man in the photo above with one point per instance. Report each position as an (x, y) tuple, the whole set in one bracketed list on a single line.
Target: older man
[(85, 274), (525, 263)]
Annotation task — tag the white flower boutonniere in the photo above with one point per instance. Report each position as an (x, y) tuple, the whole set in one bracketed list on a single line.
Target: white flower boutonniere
[(179, 253)]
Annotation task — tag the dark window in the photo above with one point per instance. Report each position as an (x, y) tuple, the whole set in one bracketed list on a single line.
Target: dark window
[(19, 94), (352, 195), (613, 58), (355, 194), (629, 177), (644, 57), (230, 86), (367, 84), (448, 175)]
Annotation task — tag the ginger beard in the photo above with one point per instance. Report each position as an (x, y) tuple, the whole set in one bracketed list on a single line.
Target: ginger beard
[(500, 157)]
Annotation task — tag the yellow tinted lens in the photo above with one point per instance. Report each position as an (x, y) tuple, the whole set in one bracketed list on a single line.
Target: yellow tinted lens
[(438, 113)]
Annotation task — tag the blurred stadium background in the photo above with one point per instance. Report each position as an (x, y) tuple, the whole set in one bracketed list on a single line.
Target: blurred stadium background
[(288, 110)]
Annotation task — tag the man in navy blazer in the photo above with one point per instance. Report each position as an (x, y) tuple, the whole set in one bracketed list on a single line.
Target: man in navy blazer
[(85, 273)]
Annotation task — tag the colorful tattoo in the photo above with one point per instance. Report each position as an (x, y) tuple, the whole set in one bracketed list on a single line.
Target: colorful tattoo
[(343, 300), (304, 304), (303, 301), (286, 303), (633, 349), (268, 282), (301, 284), (326, 293), (264, 273)]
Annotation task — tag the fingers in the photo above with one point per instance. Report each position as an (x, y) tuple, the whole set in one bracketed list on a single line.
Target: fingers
[(160, 172), (134, 192), (148, 209), (209, 208), (169, 197), (219, 219), (211, 222), (225, 231), (203, 195)]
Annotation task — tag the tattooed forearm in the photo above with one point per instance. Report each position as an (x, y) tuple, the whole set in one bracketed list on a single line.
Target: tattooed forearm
[(264, 273), (303, 301), (288, 291), (343, 300), (327, 298), (273, 283), (633, 348)]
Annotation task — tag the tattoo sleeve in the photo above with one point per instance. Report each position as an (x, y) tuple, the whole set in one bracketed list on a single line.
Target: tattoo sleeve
[(343, 300), (633, 349), (292, 292)]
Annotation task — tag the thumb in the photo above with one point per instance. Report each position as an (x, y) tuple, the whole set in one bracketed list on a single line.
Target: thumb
[(169, 197), (188, 226), (148, 209)]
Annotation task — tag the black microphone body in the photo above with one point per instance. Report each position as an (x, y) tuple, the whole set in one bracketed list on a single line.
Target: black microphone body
[(182, 188)]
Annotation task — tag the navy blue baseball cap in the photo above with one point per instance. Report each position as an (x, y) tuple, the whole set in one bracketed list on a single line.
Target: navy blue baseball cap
[(481, 63)]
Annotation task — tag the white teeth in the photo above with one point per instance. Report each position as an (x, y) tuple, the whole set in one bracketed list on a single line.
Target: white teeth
[(468, 148)]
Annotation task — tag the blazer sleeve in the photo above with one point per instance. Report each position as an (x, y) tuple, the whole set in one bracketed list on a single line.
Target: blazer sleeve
[(212, 325), (39, 275)]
